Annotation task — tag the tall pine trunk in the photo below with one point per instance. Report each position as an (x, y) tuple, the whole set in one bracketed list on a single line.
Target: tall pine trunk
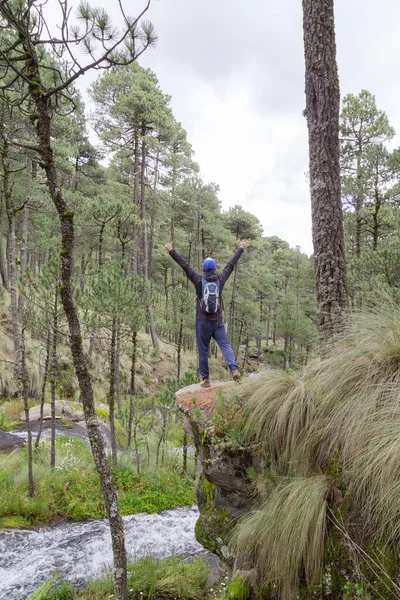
[(154, 338), (132, 386), (54, 380), (3, 266), (111, 393), (66, 216), (136, 180), (23, 381), (118, 365), (25, 227), (322, 111), (44, 383)]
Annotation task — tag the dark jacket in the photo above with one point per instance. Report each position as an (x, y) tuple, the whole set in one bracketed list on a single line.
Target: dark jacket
[(195, 278)]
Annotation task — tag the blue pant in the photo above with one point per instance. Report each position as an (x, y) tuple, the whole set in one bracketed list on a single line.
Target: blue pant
[(204, 332)]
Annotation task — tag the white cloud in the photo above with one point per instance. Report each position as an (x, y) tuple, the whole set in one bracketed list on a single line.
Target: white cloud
[(236, 76), (254, 157)]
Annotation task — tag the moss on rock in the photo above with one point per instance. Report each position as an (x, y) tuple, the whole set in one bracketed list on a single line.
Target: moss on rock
[(214, 525)]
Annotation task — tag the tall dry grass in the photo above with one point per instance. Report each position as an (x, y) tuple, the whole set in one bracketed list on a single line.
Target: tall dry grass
[(331, 437)]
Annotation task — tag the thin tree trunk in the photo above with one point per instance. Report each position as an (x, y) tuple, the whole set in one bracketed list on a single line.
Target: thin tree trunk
[(179, 350), (101, 237), (23, 381), (153, 333), (143, 205), (33, 264), (111, 393), (359, 201), (231, 326), (136, 180), (184, 452), (285, 350), (66, 216), (3, 266), (136, 445), (239, 337), (153, 214), (375, 217), (118, 365), (132, 386), (322, 110), (43, 394), (53, 381), (148, 452), (25, 227), (145, 255)]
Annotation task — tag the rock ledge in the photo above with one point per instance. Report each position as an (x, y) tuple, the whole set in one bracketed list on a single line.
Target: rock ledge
[(195, 396)]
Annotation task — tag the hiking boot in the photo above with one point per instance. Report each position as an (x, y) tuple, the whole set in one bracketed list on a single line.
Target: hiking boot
[(235, 374), (206, 383)]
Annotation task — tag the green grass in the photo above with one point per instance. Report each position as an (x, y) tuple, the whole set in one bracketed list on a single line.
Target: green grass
[(7, 424), (72, 490), (9, 414), (147, 579)]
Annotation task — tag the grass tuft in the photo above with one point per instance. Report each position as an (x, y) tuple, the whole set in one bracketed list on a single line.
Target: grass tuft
[(329, 437), (290, 532)]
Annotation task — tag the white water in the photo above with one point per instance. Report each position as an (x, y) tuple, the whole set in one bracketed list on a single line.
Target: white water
[(82, 551)]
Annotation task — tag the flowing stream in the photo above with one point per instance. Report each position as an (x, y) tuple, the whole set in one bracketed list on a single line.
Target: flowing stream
[(80, 552)]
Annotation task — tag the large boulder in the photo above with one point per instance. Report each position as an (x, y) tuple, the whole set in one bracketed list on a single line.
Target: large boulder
[(9, 442), (73, 411), (224, 490), (204, 399), (34, 412)]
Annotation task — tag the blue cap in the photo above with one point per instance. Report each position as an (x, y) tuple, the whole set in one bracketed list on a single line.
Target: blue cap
[(209, 264)]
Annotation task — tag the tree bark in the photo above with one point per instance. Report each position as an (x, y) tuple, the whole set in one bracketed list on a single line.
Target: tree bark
[(184, 453), (25, 227), (322, 111), (66, 216), (179, 350), (136, 180), (132, 386), (23, 381), (43, 394), (111, 393), (53, 381), (231, 326), (118, 365), (153, 213), (143, 205), (3, 267)]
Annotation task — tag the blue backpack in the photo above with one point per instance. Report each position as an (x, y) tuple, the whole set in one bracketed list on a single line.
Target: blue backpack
[(210, 295)]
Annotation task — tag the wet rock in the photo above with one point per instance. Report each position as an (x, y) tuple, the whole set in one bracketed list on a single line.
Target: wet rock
[(9, 442), (105, 432), (74, 414)]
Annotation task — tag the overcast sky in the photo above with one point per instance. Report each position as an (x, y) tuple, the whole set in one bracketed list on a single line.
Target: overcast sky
[(235, 72)]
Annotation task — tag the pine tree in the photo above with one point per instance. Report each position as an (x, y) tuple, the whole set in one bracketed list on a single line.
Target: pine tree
[(322, 112)]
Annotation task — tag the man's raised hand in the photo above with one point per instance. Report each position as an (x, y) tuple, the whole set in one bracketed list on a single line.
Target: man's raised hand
[(168, 247), (242, 245)]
